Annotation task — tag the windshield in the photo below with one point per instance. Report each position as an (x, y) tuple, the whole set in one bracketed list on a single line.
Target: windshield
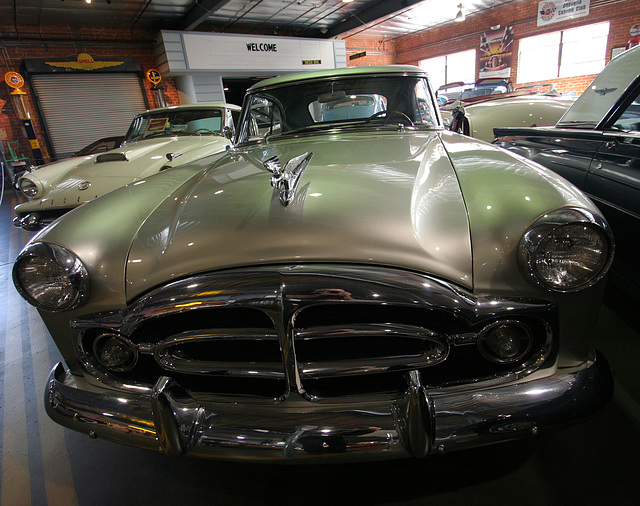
[(462, 91), (367, 101), (602, 95), (169, 123)]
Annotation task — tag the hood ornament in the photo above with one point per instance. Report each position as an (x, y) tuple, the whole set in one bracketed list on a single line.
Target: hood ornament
[(85, 185), (172, 156), (286, 180)]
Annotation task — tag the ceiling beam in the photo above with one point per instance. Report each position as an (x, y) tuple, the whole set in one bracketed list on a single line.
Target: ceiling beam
[(199, 14), (368, 14)]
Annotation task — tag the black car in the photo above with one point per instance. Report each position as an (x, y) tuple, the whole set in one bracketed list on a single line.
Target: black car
[(596, 146)]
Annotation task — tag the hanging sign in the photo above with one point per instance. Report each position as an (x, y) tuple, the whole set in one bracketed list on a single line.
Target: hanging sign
[(554, 11)]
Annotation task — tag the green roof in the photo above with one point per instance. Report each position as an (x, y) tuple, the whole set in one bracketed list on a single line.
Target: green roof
[(341, 72)]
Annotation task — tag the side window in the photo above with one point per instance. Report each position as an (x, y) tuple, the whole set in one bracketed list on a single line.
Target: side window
[(629, 121), (424, 113), (264, 119)]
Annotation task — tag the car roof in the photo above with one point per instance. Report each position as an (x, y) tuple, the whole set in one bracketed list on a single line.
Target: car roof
[(341, 72), (202, 105)]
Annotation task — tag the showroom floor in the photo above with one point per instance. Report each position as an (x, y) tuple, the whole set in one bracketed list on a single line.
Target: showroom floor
[(595, 462)]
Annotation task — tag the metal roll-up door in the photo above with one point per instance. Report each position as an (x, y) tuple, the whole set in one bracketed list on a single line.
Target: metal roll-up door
[(79, 109)]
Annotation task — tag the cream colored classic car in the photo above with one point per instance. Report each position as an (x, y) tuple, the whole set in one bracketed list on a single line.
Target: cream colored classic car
[(349, 281), (477, 112), (157, 140)]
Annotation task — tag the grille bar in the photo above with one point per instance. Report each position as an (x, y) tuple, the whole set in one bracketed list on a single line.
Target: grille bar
[(366, 349), (218, 351)]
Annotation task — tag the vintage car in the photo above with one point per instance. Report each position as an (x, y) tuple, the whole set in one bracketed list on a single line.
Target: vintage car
[(479, 118), (596, 146), (471, 92), (475, 110), (157, 139), (360, 288)]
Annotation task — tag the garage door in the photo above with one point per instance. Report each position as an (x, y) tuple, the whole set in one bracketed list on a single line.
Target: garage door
[(79, 109)]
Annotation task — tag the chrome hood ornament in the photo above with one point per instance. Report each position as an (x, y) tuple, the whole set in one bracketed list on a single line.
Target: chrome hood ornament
[(286, 180)]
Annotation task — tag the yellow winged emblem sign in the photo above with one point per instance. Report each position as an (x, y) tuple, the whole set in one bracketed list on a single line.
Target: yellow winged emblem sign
[(85, 62)]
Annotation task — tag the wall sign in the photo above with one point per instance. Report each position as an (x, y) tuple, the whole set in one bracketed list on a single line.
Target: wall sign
[(495, 46), (554, 11), (153, 76), (13, 79)]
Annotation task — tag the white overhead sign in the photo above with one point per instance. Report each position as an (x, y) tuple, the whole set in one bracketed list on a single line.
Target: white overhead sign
[(189, 52), (554, 11)]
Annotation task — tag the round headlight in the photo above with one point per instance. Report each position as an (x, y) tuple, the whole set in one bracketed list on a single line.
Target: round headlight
[(51, 277), (505, 342), (567, 250), (115, 353), (28, 188)]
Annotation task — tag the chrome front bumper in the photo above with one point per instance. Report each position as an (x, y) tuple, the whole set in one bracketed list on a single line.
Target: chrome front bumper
[(417, 424)]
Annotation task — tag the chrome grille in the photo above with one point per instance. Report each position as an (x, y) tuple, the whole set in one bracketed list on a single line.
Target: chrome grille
[(322, 331)]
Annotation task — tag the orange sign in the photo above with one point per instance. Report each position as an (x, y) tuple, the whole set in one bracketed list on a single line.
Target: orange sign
[(14, 80), (154, 76)]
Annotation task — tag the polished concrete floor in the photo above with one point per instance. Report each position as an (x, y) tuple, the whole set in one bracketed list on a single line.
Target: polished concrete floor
[(595, 462)]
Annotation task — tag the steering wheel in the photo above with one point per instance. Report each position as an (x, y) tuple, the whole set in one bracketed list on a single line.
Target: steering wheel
[(205, 130), (389, 113)]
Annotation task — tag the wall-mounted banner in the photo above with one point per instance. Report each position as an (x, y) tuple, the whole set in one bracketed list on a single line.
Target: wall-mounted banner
[(495, 46), (554, 11)]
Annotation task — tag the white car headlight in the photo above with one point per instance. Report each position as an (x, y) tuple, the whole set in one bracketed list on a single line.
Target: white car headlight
[(28, 188), (50, 277), (567, 250)]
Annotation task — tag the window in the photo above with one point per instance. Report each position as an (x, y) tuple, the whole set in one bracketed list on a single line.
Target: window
[(629, 121), (456, 67), (567, 53)]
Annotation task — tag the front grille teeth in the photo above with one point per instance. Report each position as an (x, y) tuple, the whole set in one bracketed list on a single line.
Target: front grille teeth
[(337, 351)]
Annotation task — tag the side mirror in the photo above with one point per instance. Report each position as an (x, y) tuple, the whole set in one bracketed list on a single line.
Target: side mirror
[(227, 132)]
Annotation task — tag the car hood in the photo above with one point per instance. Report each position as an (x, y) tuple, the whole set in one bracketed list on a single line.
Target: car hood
[(420, 202), (67, 182), (393, 200)]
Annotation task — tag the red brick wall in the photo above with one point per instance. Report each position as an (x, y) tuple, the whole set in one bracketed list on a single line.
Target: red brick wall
[(522, 15), (377, 52), (65, 42)]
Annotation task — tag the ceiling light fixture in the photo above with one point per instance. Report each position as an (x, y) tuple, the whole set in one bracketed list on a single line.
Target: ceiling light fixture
[(460, 15)]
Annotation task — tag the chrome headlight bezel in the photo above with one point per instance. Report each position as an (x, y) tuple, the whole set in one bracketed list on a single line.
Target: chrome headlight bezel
[(28, 188), (569, 228), (51, 277)]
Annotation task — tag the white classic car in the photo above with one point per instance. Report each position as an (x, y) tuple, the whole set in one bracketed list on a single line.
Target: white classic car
[(345, 283), (480, 107), (157, 139)]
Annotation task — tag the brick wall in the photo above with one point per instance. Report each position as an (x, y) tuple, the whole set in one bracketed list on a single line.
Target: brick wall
[(521, 14), (65, 42)]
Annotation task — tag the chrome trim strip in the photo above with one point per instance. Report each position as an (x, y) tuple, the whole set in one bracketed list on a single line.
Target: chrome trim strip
[(418, 424)]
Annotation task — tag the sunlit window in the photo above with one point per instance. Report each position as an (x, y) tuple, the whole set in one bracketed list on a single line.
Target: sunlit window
[(451, 68), (567, 53)]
